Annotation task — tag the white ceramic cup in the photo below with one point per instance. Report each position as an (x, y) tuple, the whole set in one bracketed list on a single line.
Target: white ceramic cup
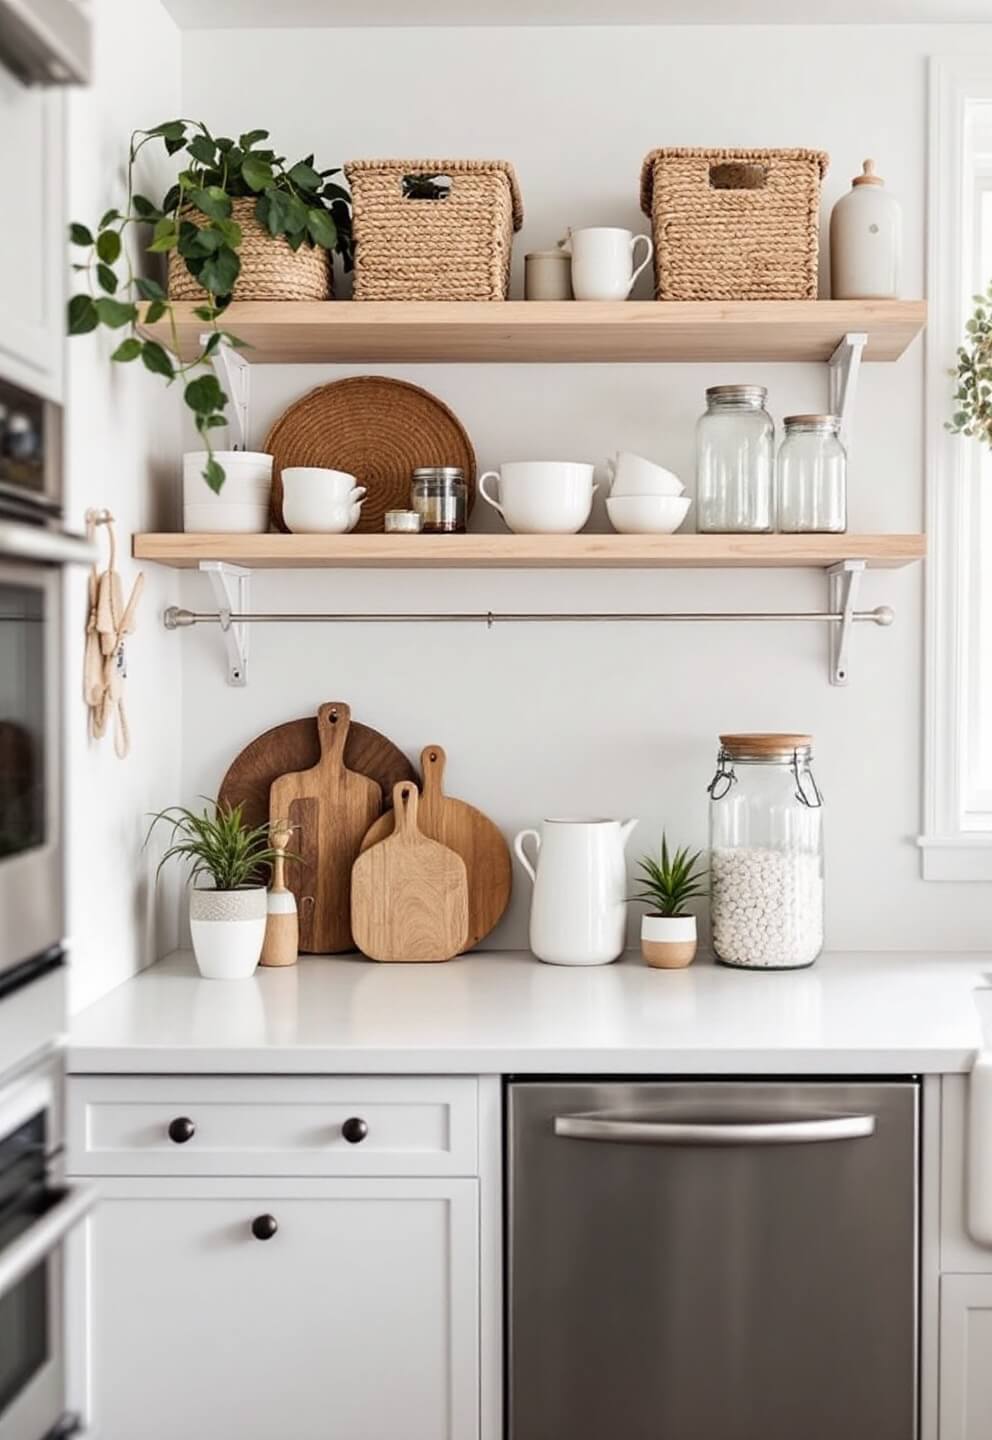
[(314, 481), (542, 497), (310, 514), (603, 262), (631, 474)]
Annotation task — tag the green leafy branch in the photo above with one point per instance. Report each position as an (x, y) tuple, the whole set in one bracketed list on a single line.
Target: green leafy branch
[(297, 203), (973, 396), (670, 882)]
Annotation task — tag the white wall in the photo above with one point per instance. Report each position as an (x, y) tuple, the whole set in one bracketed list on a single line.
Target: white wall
[(606, 720), (122, 432)]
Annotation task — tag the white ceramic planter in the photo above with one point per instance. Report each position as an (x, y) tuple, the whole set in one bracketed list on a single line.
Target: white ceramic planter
[(242, 507), (228, 929), (668, 942)]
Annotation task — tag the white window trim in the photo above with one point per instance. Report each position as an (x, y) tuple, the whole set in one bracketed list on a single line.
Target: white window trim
[(949, 851)]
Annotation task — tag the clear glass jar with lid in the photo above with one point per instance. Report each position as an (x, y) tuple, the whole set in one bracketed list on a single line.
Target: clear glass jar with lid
[(735, 462), (766, 853), (812, 476)]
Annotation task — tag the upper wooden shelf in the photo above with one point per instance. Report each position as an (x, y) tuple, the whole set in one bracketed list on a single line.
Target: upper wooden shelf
[(549, 552), (315, 332)]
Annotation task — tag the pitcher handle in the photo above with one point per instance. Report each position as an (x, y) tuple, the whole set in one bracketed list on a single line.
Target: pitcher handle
[(647, 256), (521, 853), (490, 475)]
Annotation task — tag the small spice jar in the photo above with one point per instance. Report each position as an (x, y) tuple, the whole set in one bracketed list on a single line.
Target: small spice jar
[(548, 275), (439, 495)]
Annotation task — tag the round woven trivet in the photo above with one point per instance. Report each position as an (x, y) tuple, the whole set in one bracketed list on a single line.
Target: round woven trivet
[(380, 431)]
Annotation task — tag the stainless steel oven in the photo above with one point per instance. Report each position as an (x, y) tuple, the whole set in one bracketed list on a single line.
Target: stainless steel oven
[(37, 1213)]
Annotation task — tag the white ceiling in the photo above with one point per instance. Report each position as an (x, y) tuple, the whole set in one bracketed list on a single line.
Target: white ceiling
[(275, 14)]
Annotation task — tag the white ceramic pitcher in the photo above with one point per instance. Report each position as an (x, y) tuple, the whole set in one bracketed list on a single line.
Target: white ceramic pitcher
[(578, 913)]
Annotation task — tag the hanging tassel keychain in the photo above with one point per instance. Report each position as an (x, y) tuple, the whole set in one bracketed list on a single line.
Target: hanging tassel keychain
[(109, 620)]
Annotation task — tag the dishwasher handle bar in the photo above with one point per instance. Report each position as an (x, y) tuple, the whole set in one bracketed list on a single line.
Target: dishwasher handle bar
[(715, 1132)]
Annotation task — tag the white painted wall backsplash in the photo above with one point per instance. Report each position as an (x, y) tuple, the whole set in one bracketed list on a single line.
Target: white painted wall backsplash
[(122, 432), (587, 719)]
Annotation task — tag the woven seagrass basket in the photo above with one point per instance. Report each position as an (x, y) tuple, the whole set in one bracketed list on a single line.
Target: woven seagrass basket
[(270, 268), (734, 224), (433, 229)]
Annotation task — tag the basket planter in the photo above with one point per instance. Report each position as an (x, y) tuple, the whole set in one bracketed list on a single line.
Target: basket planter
[(433, 229), (734, 224), (270, 268)]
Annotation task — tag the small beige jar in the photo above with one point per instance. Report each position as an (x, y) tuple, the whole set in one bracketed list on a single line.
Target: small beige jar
[(866, 241), (548, 275)]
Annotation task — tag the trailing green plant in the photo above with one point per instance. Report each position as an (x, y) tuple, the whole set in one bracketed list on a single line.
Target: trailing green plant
[(218, 844), (973, 396), (303, 205), (669, 882)]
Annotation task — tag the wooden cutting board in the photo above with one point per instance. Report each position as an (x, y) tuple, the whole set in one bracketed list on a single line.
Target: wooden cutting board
[(330, 809), (409, 895), (296, 746), (471, 835)]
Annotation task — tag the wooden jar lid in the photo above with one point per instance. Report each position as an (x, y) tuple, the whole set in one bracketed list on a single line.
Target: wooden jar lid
[(764, 746)]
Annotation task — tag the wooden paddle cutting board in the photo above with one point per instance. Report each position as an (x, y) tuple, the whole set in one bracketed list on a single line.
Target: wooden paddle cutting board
[(330, 809), (409, 895), (471, 835)]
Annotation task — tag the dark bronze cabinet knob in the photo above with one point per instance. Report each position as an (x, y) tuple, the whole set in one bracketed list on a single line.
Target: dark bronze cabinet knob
[(354, 1130), (181, 1129), (263, 1227)]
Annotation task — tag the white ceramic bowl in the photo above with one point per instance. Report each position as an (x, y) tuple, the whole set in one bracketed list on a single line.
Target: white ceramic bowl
[(633, 475), (247, 478), (647, 514), (325, 519), (245, 519)]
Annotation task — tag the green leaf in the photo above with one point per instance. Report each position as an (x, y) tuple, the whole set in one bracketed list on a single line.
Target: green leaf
[(149, 289), (220, 271), (143, 207), (213, 201), (236, 341), (322, 229), (203, 149), (257, 173), (165, 236), (335, 192), (79, 235), (206, 312), (212, 342), (296, 217), (305, 176), (115, 313), (107, 278), (128, 349), (155, 359), (213, 473), (83, 315), (252, 137), (170, 130), (230, 230), (172, 146), (108, 219), (204, 395), (155, 311)]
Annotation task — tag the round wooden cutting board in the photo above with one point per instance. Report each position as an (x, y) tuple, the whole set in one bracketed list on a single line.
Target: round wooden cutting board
[(378, 430)]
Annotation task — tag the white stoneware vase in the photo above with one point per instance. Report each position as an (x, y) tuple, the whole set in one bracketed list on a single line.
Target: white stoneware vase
[(228, 928), (578, 911), (866, 241)]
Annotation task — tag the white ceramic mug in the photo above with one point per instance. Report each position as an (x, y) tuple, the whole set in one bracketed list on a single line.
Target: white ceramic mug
[(315, 481), (603, 262), (631, 474), (542, 497)]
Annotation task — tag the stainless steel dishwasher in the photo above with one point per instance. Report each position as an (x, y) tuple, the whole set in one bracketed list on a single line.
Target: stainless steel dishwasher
[(712, 1260)]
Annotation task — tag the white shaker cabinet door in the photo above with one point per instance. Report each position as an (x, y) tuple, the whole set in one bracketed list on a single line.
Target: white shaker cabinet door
[(33, 257), (357, 1319), (966, 1357)]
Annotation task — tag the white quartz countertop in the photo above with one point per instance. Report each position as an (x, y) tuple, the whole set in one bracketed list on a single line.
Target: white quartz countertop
[(498, 1012)]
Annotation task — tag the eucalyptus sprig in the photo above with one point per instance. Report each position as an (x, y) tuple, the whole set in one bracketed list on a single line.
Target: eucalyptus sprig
[(973, 396), (671, 881), (301, 204), (218, 844)]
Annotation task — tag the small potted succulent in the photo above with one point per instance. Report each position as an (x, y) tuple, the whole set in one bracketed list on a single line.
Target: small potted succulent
[(227, 918), (668, 883)]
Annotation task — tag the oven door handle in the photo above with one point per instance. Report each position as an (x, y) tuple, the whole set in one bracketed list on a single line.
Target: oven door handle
[(719, 1132), (46, 1235), (30, 542)]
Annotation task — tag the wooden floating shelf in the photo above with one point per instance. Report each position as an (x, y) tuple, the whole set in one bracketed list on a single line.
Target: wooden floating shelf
[(535, 552), (339, 331)]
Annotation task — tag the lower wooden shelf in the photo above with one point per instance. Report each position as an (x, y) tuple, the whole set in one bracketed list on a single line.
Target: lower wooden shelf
[(536, 552)]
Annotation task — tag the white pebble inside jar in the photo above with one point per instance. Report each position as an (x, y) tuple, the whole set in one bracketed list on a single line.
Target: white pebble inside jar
[(767, 907)]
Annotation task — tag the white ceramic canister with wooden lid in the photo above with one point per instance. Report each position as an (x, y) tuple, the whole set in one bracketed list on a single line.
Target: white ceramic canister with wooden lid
[(866, 241)]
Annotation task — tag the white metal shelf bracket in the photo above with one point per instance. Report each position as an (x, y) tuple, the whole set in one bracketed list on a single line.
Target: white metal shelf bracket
[(843, 369), (230, 584), (843, 585), (237, 384)]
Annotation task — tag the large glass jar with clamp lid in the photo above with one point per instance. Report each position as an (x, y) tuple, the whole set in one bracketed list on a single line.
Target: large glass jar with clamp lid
[(735, 462), (766, 853)]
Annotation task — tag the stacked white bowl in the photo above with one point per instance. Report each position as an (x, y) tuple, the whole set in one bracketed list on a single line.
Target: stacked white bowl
[(242, 503), (645, 498)]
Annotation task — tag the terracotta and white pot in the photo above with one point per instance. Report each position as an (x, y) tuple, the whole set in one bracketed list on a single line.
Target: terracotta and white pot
[(228, 928), (668, 942)]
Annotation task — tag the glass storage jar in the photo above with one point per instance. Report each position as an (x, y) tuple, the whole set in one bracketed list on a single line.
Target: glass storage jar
[(812, 476), (766, 853), (735, 462)]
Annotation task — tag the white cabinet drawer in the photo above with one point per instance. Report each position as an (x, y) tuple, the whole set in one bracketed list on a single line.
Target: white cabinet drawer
[(276, 1125)]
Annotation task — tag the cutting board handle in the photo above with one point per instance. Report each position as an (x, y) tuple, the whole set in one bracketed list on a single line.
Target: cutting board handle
[(432, 763), (405, 801), (333, 722)]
